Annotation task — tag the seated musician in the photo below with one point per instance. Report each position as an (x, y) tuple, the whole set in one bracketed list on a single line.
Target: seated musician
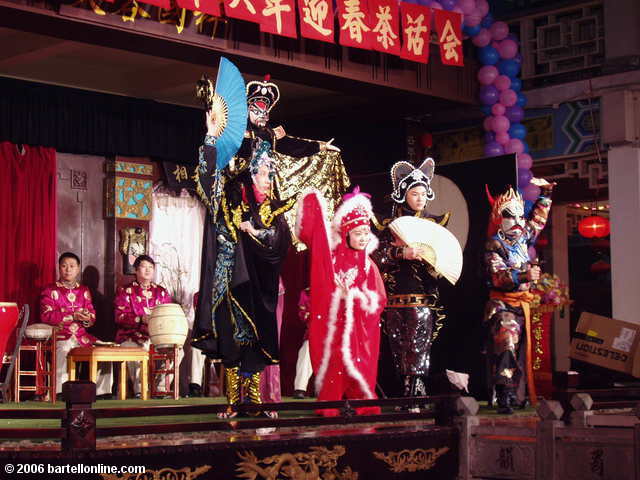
[(133, 304), (67, 305)]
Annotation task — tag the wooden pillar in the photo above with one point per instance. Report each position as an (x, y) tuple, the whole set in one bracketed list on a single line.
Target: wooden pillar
[(79, 421)]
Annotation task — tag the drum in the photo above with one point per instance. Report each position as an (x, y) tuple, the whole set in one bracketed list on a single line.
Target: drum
[(9, 315), (168, 325), (39, 331)]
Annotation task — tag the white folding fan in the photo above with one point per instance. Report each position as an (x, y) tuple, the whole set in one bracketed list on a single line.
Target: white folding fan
[(443, 250)]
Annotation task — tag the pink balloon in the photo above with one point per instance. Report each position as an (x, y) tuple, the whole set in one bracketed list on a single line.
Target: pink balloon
[(487, 74), (508, 48), (499, 30), (525, 161), (532, 253), (502, 82), (514, 145), (498, 109), (473, 19), (483, 7), (488, 124), (508, 98), (501, 124), (467, 6), (495, 44), (531, 192), (502, 138), (482, 39), (435, 6)]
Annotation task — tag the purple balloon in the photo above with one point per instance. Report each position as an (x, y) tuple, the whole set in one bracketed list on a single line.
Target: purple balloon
[(508, 98), (502, 82), (493, 149), (487, 74), (503, 138), (500, 124), (448, 4), (472, 19), (498, 109), (507, 48), (489, 95), (531, 192), (499, 31), (525, 161), (515, 114), (489, 137), (524, 177), (482, 39), (514, 145)]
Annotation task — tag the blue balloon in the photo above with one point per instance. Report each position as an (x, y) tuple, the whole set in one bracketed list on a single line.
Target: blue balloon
[(528, 206), (488, 55), (526, 147), (517, 130), (489, 95), (486, 109), (471, 31), (508, 67), (487, 21), (522, 100), (516, 84)]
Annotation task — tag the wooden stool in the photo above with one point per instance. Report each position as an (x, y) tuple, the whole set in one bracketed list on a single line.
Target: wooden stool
[(164, 364), (93, 355), (45, 368)]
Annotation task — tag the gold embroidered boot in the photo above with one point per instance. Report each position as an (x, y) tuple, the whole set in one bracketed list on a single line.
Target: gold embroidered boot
[(232, 383), (253, 395)]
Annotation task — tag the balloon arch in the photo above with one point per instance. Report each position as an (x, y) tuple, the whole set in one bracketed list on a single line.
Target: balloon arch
[(502, 101)]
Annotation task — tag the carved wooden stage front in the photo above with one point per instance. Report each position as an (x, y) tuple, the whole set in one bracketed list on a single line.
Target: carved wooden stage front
[(388, 446)]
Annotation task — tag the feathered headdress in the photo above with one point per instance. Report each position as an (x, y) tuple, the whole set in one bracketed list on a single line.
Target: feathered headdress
[(405, 176)]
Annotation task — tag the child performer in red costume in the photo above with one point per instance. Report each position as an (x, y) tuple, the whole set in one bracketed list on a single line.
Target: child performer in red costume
[(347, 298)]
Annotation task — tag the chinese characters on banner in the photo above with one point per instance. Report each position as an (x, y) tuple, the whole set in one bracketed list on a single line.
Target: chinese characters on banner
[(279, 17), (355, 30), (449, 28), (249, 10), (316, 19), (210, 7), (416, 22), (385, 22)]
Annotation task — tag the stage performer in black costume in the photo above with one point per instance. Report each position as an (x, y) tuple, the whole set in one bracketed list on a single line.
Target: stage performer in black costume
[(246, 240), (413, 315)]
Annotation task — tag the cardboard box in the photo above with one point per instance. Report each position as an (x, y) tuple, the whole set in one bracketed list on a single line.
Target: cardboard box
[(608, 343)]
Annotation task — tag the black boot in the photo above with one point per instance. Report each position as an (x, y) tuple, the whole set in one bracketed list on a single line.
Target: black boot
[(504, 394)]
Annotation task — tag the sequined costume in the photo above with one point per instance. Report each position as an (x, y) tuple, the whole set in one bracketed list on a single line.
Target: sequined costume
[(57, 305), (413, 316), (344, 326), (506, 315), (132, 303), (236, 314)]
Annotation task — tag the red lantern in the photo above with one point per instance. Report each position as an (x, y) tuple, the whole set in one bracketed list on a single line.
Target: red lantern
[(426, 140), (594, 227)]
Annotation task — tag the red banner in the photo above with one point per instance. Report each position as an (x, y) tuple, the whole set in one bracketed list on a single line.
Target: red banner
[(385, 19), (355, 25), (279, 17), (416, 25), (249, 10), (316, 19), (449, 28), (211, 7), (541, 321)]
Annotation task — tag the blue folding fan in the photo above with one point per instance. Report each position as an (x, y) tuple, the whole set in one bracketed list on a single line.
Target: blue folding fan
[(229, 104)]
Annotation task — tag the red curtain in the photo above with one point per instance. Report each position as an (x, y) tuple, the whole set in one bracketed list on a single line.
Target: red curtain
[(27, 222)]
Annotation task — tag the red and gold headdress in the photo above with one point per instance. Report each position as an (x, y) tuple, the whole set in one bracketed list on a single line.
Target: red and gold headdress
[(265, 93), (355, 211), (509, 200)]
